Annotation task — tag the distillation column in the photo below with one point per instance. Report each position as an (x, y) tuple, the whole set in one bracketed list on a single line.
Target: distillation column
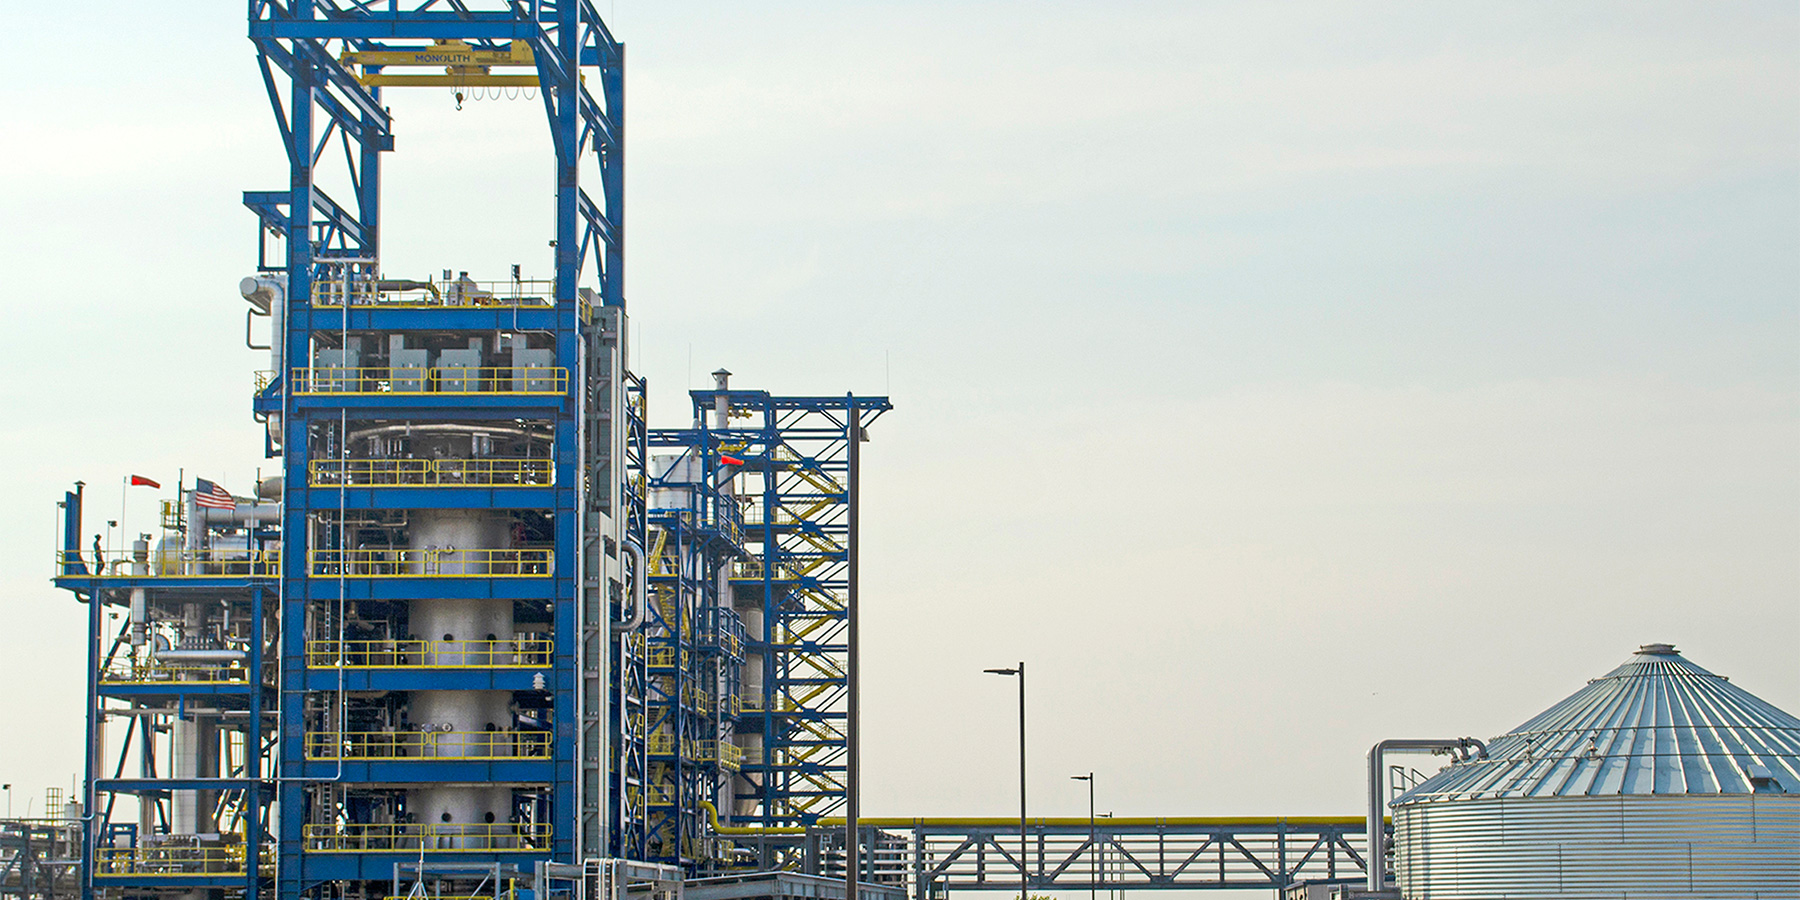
[(471, 631)]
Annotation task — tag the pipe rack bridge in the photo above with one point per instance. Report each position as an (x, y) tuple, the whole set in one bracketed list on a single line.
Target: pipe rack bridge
[(935, 856)]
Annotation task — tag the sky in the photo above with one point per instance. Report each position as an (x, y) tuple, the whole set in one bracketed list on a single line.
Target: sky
[(1272, 378)]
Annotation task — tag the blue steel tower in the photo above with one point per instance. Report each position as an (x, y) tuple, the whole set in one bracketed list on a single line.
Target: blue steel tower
[(475, 627), (455, 525)]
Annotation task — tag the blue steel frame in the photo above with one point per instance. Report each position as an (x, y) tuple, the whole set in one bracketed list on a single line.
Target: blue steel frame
[(693, 644), (630, 675), (96, 587), (298, 43), (795, 537)]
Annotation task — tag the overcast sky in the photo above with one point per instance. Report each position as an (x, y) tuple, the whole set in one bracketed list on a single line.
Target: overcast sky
[(1273, 378)]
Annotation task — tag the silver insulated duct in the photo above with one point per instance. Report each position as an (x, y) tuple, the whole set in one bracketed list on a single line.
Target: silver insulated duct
[(1658, 779)]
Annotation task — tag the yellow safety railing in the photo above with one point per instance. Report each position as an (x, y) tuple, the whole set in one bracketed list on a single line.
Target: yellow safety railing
[(443, 837), (660, 744), (782, 704), (432, 380), (431, 472), (518, 653), (752, 570), (148, 670), (447, 745), (263, 378), (178, 564), (659, 794), (330, 294), (440, 563), (728, 755), (697, 699), (508, 893), (174, 861)]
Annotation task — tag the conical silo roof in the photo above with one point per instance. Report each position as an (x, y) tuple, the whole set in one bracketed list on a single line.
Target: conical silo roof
[(1658, 724)]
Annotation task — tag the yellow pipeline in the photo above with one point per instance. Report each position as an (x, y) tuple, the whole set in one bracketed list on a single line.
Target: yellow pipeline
[(1104, 821), (712, 816)]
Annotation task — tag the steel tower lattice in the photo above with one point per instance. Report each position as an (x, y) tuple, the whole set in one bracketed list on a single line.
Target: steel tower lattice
[(788, 587), (515, 521), (474, 625)]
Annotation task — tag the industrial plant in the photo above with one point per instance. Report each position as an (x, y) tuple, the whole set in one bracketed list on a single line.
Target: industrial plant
[(483, 630)]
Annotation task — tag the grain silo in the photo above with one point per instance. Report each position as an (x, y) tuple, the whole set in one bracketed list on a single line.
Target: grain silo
[(1658, 779)]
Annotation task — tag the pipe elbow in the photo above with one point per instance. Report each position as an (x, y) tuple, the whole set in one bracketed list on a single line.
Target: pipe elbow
[(640, 577), (263, 292)]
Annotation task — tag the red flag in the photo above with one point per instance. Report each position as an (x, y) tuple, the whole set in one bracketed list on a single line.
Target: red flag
[(730, 460), (139, 479)]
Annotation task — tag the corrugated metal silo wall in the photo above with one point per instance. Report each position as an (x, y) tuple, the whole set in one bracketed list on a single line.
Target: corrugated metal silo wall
[(1633, 846)]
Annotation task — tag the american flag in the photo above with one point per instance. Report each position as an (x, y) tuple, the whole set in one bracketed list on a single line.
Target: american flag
[(211, 495)]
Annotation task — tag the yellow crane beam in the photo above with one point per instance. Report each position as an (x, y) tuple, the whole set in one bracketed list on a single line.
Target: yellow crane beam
[(464, 65)]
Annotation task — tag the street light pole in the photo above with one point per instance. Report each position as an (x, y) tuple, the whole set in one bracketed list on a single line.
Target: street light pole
[(1093, 883), (1024, 845)]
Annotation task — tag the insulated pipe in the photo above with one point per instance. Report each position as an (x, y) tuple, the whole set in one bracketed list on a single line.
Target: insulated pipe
[(448, 428), (270, 295), (140, 623), (639, 589), (712, 818), (201, 656), (722, 402), (140, 566), (407, 284), (238, 516), (1377, 867)]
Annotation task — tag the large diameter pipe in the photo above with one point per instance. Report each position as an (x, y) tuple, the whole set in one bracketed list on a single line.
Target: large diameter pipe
[(140, 620), (271, 296), (201, 656), (640, 591), (240, 516), (1377, 867)]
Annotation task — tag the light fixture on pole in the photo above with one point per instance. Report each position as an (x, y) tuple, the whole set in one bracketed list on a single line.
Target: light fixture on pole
[(1024, 872), (1093, 881), (8, 789)]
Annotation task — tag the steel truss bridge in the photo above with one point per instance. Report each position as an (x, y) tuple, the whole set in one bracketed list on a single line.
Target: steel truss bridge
[(935, 857)]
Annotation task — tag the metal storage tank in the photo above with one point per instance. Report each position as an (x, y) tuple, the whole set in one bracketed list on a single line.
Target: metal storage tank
[(1658, 779)]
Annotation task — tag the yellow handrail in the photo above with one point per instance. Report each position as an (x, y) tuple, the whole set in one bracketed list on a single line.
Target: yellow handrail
[(728, 755), (451, 837), (659, 795), (431, 472), (179, 564), (316, 380), (427, 745), (148, 670), (518, 653), (438, 563), (173, 861), (329, 294)]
